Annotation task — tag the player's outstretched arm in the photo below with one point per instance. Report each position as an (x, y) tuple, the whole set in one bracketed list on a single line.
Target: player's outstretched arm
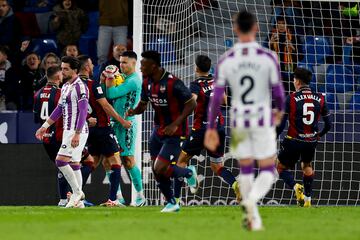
[(55, 115), (121, 90), (112, 113), (140, 108)]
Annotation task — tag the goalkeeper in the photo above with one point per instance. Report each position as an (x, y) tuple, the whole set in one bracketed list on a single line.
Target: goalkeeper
[(125, 91)]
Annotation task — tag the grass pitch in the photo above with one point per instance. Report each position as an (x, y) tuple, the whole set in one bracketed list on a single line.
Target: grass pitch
[(190, 223)]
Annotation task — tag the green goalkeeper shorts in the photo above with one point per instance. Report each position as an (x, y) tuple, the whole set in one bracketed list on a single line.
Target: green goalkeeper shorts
[(126, 138)]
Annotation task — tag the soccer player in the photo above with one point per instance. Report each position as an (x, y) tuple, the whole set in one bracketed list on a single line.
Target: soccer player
[(126, 96), (254, 78), (102, 140), (45, 101), (172, 103), (201, 90), (72, 106), (303, 109)]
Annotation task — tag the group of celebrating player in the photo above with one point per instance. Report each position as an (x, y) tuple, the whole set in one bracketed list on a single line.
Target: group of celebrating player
[(258, 104)]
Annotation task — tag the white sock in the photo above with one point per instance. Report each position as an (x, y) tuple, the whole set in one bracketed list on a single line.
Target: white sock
[(79, 178), (140, 194), (307, 198), (262, 185), (70, 177), (245, 182)]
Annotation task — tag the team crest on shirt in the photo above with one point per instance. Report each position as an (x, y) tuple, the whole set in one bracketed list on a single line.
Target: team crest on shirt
[(162, 88)]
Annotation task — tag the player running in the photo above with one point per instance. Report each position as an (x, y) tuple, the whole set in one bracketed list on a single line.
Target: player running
[(253, 75), (72, 106), (45, 101), (102, 140), (126, 96), (172, 103), (201, 90), (303, 110)]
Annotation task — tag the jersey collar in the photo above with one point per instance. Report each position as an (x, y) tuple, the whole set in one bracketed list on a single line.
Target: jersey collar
[(304, 88)]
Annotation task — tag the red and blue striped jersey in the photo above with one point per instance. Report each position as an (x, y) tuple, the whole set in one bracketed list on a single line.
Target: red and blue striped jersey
[(203, 88), (167, 97), (45, 101), (304, 108), (95, 109)]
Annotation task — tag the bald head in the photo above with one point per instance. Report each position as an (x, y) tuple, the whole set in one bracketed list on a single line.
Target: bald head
[(118, 50)]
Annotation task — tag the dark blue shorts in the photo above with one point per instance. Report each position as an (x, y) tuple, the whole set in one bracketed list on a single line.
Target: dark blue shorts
[(165, 148), (102, 141), (291, 151), (195, 143)]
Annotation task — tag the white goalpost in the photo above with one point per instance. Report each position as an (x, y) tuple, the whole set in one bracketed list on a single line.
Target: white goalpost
[(324, 37)]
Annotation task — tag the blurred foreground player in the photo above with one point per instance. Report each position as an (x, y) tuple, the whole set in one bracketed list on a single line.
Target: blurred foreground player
[(73, 107), (45, 101), (102, 140), (303, 109), (253, 74), (202, 89), (172, 103), (126, 96)]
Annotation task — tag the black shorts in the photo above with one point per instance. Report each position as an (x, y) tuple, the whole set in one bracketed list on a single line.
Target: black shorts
[(195, 143), (102, 141), (291, 151), (52, 149), (165, 148)]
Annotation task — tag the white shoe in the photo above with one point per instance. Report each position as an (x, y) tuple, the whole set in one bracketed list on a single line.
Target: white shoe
[(62, 202), (80, 205), (75, 199), (171, 208), (251, 220)]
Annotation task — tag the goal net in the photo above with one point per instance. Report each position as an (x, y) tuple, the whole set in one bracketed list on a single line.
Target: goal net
[(321, 36)]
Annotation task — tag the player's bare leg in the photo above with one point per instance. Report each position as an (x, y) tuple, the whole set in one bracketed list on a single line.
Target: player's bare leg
[(308, 178), (136, 178), (286, 175), (217, 166), (72, 174), (112, 167)]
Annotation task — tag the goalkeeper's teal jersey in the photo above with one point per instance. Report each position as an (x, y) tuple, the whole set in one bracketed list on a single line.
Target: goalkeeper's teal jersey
[(126, 95)]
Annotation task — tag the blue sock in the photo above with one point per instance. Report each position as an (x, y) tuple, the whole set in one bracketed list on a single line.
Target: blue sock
[(114, 181), (176, 172), (308, 180), (63, 186), (288, 178), (178, 183), (226, 175), (164, 184), (86, 170)]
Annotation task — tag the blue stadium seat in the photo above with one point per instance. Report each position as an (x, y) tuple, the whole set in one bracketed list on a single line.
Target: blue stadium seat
[(315, 49), (165, 48), (44, 45), (93, 28), (354, 103), (347, 53), (332, 101), (339, 79)]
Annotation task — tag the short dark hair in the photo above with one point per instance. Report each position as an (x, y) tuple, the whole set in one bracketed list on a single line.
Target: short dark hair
[(152, 55), (245, 21), (303, 75), (51, 71), (5, 50), (203, 63), (72, 61), (280, 19), (82, 60), (129, 54)]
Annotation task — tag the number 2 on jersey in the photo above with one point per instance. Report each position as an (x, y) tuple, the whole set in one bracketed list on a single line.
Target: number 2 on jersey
[(250, 80), (308, 114)]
